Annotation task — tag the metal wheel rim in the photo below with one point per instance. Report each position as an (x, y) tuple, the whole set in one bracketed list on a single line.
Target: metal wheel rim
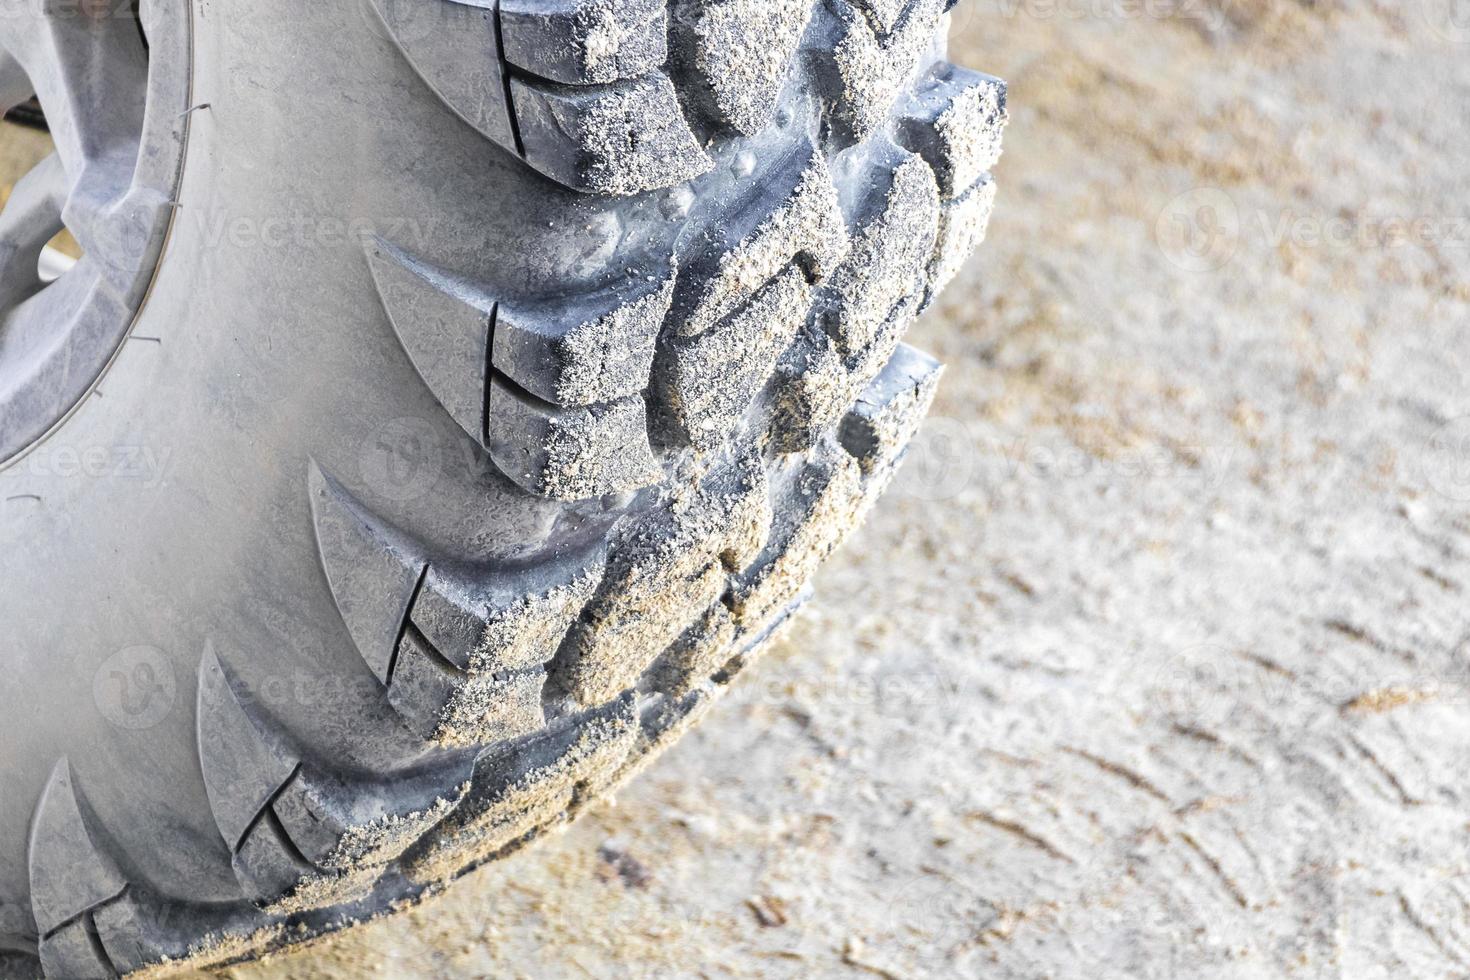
[(113, 80)]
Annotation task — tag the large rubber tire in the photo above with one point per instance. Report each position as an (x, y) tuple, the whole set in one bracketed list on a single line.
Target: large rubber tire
[(509, 369)]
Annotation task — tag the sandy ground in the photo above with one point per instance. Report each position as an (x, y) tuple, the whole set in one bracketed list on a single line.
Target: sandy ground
[(1154, 663)]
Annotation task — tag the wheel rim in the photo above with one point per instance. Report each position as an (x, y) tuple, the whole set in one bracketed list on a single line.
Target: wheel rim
[(114, 86)]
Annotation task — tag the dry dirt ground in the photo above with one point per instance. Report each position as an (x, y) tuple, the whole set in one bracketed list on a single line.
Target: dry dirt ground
[(1155, 661)]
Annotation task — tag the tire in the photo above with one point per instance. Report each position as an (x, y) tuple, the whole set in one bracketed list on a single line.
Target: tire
[(508, 370)]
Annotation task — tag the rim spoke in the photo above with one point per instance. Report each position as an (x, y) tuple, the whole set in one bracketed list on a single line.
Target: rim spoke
[(89, 69), (31, 218), (15, 84)]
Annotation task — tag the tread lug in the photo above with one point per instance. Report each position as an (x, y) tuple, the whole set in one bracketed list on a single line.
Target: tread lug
[(423, 682), (313, 826), (962, 226), (872, 70), (527, 785), (813, 389), (125, 929), (668, 572), (742, 52), (803, 224), (505, 622), (583, 42), (882, 14), (885, 417), (595, 349), (629, 630), (743, 493), (300, 828), (241, 770), (491, 708), (458, 57), (470, 644), (661, 727), (443, 324), (76, 951), (621, 138), (373, 577), (265, 865), (448, 617), (245, 775), (713, 378), (570, 453), (955, 119), (597, 357), (69, 873), (888, 259), (698, 654), (827, 504)]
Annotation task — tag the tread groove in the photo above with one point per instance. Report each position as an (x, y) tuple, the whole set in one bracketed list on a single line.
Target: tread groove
[(77, 917), (489, 373), (273, 820), (266, 808), (505, 75), (530, 397), (94, 940), (432, 652), (405, 624)]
